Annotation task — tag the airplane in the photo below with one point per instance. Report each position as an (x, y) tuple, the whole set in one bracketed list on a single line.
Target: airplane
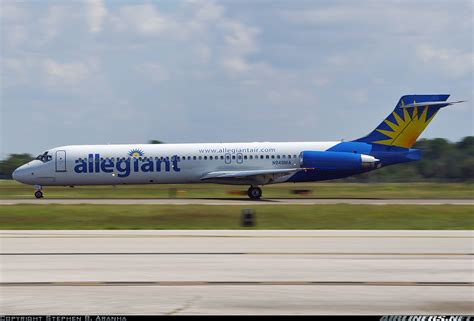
[(253, 164)]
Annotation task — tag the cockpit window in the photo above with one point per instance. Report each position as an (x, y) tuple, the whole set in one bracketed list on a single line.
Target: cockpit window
[(44, 157)]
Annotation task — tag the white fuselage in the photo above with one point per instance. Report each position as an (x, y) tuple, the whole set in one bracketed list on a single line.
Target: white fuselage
[(160, 163)]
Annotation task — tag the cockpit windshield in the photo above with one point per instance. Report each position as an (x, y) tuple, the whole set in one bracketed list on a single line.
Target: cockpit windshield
[(44, 157)]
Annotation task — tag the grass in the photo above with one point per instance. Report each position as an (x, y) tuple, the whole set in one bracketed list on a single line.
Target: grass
[(12, 189), (341, 216)]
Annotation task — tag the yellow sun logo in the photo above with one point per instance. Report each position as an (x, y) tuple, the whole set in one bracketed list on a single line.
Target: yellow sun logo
[(405, 131), (136, 153)]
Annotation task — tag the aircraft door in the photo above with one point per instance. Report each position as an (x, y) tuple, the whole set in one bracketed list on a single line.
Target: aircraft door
[(60, 161), (240, 158)]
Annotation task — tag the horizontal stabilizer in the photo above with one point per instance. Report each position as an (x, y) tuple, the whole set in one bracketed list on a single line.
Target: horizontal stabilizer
[(439, 104)]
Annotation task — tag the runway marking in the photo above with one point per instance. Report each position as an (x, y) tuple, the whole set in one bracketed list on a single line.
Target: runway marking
[(237, 253), (234, 283)]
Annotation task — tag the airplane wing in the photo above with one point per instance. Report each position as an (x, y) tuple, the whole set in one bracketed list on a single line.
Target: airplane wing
[(259, 176)]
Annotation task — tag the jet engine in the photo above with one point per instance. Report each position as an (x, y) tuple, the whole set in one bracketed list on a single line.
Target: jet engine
[(337, 161)]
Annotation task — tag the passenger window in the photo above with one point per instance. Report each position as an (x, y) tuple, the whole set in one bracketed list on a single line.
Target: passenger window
[(278, 156), (245, 157), (200, 157), (233, 156), (222, 157), (273, 156), (194, 157), (251, 157), (261, 156), (205, 157), (267, 157)]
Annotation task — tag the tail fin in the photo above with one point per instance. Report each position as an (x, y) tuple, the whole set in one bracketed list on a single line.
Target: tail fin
[(411, 116)]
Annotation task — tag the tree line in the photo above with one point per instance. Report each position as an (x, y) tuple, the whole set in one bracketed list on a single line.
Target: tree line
[(441, 161)]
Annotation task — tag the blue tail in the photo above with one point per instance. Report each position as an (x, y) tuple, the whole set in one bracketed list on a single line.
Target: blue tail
[(408, 120)]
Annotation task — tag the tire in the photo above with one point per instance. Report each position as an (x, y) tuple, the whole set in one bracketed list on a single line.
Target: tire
[(254, 193), (39, 194)]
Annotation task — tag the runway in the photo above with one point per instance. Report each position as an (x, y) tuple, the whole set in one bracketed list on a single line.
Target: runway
[(236, 201), (237, 272)]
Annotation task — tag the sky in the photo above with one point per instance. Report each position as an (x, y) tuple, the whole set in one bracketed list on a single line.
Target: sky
[(100, 72)]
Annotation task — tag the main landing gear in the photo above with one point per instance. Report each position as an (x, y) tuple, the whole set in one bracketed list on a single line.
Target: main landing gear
[(38, 192), (254, 192)]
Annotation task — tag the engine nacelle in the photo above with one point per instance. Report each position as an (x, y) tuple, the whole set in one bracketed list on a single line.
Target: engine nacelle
[(337, 161)]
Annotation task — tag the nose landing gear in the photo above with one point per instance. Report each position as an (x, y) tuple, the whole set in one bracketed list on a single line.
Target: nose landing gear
[(38, 192), (254, 192)]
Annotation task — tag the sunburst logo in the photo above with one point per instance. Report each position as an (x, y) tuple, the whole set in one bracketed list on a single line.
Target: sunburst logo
[(404, 131), (136, 153)]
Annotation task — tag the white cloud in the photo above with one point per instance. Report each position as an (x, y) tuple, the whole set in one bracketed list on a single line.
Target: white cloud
[(144, 19), (15, 17), (359, 96), (319, 81), (153, 71), (240, 38), (339, 60), (453, 62), (209, 11), (332, 14), (54, 21), (387, 16), (201, 25), (16, 36), (95, 15), (13, 12), (235, 64), (235, 60), (17, 71), (203, 54), (240, 41), (68, 73)]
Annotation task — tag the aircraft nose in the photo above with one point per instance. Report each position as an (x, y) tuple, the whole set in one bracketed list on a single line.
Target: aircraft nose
[(19, 174), (15, 174)]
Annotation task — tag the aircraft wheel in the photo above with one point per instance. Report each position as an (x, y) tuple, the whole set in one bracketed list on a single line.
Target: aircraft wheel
[(39, 194), (254, 193)]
